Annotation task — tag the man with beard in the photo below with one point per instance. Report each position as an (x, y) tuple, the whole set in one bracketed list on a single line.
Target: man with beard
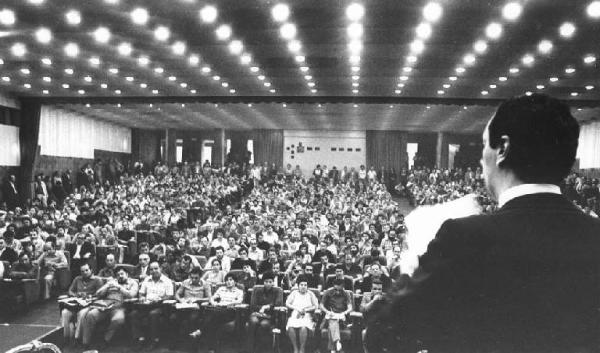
[(109, 306)]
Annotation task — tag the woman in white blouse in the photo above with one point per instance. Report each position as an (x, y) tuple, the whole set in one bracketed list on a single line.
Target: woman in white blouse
[(302, 302)]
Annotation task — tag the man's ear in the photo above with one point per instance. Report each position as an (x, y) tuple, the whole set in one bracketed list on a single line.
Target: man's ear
[(503, 149)]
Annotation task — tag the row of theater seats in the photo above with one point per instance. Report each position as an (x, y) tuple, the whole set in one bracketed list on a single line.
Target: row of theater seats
[(351, 333)]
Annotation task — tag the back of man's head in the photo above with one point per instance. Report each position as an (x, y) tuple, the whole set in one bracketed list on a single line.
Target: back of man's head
[(543, 137)]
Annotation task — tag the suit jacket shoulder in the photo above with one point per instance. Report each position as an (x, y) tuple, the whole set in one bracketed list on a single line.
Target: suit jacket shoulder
[(525, 278)]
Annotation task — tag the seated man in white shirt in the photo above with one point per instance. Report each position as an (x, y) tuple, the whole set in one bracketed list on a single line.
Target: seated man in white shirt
[(270, 236), (220, 255), (154, 289), (254, 252), (218, 239)]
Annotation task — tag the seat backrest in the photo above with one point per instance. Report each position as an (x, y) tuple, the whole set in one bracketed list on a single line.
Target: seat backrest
[(346, 277), (202, 260), (68, 256), (219, 285), (6, 266), (317, 292), (351, 294), (237, 274), (129, 267)]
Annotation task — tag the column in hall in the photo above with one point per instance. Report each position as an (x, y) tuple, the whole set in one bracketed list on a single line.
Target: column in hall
[(170, 150), (218, 154), (441, 151)]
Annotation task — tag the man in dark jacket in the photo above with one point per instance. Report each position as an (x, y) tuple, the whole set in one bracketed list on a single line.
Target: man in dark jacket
[(81, 252), (10, 193), (524, 279)]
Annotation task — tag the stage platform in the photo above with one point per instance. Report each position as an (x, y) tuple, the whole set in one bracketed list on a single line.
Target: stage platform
[(12, 335)]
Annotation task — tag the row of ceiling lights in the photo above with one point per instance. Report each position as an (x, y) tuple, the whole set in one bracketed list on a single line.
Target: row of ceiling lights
[(355, 13), (288, 31), (493, 31), (566, 31), (208, 14), (432, 12), (280, 12), (102, 35)]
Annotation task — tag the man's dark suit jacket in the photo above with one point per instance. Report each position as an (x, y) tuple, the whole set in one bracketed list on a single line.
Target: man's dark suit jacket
[(9, 255), (137, 271), (261, 297), (523, 279), (86, 248), (348, 283), (10, 195)]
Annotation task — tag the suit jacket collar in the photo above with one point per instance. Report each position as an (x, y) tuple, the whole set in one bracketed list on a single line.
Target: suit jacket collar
[(539, 201), (526, 189)]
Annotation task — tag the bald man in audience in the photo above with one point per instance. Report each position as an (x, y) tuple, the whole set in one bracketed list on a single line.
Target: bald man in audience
[(110, 270), (50, 261), (153, 290)]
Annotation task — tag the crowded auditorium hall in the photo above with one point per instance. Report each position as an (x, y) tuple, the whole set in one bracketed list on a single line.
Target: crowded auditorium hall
[(299, 176)]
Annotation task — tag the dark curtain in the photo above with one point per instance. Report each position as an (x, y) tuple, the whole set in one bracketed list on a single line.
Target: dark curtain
[(145, 146), (386, 149), (239, 145), (10, 116), (268, 146), (29, 134), (426, 153)]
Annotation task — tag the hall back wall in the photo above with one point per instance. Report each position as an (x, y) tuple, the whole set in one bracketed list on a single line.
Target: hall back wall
[(332, 148)]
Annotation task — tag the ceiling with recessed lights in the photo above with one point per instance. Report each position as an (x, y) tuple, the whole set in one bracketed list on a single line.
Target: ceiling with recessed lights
[(433, 65)]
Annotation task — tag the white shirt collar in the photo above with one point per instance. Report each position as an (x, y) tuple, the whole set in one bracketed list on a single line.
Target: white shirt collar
[(526, 189)]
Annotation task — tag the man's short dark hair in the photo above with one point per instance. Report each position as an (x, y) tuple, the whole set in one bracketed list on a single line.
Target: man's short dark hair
[(197, 271), (268, 275), (230, 275), (122, 268), (543, 137), (302, 278)]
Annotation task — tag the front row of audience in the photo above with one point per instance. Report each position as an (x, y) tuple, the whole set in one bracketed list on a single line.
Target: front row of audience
[(155, 303)]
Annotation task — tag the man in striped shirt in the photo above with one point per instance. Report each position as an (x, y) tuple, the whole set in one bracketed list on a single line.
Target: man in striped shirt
[(225, 297), (191, 290)]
